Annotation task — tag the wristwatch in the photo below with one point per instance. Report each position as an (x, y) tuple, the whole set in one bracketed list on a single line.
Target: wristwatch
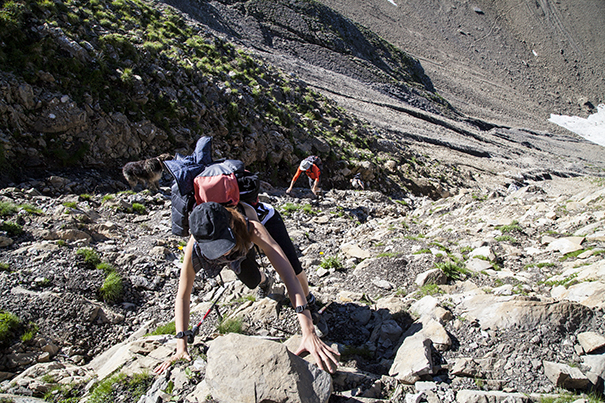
[(182, 335), (301, 308)]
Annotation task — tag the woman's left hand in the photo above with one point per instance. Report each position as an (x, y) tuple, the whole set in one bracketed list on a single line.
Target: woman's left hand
[(325, 356), (166, 364)]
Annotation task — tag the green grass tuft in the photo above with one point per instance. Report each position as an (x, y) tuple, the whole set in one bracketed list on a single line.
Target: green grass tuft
[(111, 290), (138, 208), (8, 209), (230, 325), (506, 238), (130, 387), (308, 209), (452, 270), (572, 255), (566, 282), (31, 209), (11, 228), (387, 254), (8, 326), (107, 198), (512, 227), (30, 332), (289, 208), (106, 267), (168, 328), (331, 262), (90, 256), (429, 289)]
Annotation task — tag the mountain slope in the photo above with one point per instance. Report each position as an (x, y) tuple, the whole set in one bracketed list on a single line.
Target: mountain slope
[(101, 83), (97, 84), (496, 125), (510, 61)]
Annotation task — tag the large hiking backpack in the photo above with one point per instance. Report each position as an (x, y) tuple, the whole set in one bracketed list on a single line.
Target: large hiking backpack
[(218, 183), (198, 179), (226, 182)]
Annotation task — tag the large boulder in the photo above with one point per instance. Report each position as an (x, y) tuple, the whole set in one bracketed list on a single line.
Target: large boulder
[(244, 369)]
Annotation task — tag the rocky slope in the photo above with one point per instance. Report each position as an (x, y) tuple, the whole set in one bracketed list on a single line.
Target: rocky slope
[(151, 89), (481, 63), (99, 84), (509, 62), (472, 271), (501, 288)]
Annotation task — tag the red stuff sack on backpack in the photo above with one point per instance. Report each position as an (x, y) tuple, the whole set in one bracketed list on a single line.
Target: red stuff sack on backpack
[(218, 183)]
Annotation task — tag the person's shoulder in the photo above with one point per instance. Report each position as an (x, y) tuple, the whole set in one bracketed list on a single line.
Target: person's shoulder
[(249, 211)]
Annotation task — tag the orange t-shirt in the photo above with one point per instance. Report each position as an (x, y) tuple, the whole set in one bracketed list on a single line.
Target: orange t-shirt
[(312, 172)]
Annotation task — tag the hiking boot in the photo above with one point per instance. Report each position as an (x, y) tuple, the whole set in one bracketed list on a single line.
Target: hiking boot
[(264, 288)]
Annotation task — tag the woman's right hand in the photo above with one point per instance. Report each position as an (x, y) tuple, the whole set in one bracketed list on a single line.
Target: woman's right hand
[(166, 364)]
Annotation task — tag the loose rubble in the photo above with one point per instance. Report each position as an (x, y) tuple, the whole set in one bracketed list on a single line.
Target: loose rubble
[(487, 295)]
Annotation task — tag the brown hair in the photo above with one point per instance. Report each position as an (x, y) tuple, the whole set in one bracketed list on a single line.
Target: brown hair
[(239, 225)]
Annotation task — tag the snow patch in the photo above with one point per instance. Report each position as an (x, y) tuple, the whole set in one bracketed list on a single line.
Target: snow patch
[(591, 128)]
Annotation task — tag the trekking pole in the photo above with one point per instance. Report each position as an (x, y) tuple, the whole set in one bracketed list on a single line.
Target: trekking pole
[(195, 330), (323, 309)]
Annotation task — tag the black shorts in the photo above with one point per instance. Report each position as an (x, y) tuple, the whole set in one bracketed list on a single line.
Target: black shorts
[(277, 229), (249, 273)]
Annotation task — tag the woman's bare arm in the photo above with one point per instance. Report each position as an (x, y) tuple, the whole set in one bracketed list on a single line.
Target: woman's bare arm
[(181, 308), (323, 354)]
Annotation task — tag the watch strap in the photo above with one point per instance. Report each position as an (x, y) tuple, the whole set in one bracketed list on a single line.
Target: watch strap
[(182, 335), (301, 308)]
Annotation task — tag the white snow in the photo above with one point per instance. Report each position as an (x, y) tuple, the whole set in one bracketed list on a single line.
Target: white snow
[(591, 128)]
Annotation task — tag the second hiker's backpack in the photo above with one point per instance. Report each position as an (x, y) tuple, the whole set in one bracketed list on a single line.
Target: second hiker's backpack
[(314, 159)]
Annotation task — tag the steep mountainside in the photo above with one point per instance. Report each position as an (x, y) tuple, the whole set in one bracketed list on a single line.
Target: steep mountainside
[(98, 84), (511, 61), (500, 100)]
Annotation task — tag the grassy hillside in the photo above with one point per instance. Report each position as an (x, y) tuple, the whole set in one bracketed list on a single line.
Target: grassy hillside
[(121, 65)]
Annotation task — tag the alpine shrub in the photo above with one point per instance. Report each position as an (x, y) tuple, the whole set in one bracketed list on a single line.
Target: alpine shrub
[(8, 325), (111, 290)]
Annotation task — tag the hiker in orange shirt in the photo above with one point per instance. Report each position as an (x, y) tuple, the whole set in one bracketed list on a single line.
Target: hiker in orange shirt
[(311, 167)]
